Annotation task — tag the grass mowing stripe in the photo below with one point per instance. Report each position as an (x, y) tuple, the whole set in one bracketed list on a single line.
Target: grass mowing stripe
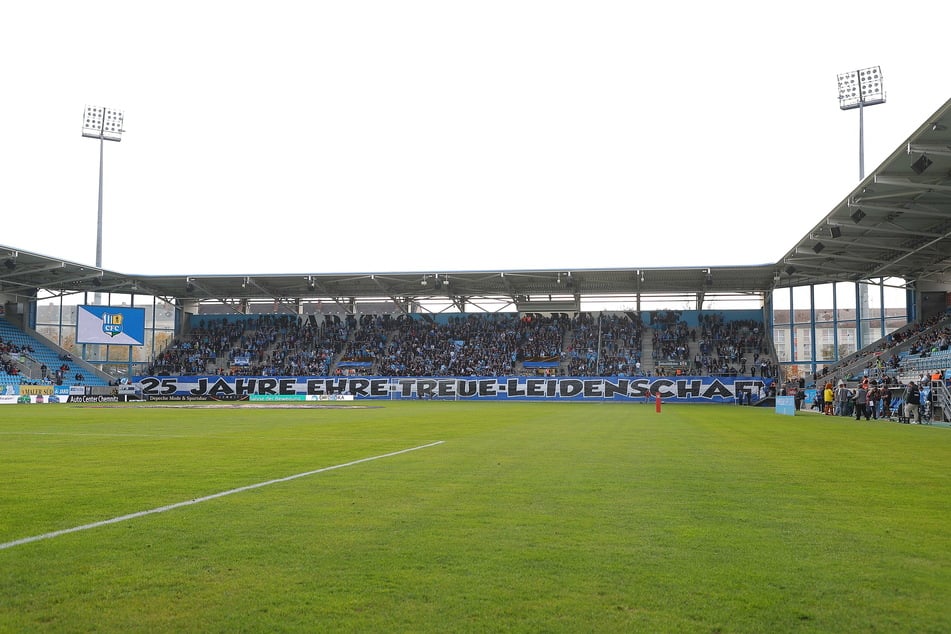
[(206, 498)]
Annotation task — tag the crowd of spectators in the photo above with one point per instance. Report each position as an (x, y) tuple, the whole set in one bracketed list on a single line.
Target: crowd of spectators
[(731, 339), (609, 345), (542, 338), (582, 351), (14, 357), (715, 347), (302, 347), (934, 340), (59, 375), (472, 345), (193, 353), (266, 345), (495, 344), (876, 361), (369, 340), (9, 356), (671, 341)]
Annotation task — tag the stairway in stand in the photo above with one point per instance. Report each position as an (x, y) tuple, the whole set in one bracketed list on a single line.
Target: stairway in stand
[(647, 351)]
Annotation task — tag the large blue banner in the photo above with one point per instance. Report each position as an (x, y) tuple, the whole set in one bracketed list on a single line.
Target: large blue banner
[(685, 389)]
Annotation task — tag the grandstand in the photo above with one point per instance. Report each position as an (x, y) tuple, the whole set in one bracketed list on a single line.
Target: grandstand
[(33, 360), (864, 293)]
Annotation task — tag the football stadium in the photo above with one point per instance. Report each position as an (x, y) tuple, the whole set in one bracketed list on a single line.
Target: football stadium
[(694, 449)]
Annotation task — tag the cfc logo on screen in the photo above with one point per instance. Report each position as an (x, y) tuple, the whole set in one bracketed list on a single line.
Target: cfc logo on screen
[(112, 324)]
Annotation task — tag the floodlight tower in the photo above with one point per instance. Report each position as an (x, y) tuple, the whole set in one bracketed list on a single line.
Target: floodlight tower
[(104, 124), (857, 89)]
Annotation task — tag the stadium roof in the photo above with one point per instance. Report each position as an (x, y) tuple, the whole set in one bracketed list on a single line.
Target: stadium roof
[(896, 223), (541, 290)]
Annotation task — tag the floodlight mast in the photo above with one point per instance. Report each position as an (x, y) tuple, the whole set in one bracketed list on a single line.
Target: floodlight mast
[(104, 124), (857, 89)]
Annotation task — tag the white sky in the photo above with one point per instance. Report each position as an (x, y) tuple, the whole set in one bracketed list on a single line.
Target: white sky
[(287, 137)]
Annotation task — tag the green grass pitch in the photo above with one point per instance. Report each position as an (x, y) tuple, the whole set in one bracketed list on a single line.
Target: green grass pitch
[(528, 517)]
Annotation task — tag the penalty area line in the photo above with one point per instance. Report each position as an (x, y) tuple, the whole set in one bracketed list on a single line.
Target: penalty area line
[(206, 498)]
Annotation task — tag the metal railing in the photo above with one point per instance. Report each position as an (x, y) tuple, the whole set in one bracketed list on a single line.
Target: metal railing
[(940, 401)]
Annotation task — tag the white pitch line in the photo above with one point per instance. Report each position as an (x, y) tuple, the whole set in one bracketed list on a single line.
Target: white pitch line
[(162, 509), (77, 434)]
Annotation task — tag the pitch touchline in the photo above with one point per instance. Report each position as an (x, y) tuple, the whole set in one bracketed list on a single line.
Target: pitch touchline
[(162, 509)]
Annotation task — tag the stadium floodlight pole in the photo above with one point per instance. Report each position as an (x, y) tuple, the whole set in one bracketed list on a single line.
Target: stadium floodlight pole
[(857, 89), (104, 124)]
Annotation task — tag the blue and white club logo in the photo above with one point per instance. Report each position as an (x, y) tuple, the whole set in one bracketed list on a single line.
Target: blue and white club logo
[(112, 324)]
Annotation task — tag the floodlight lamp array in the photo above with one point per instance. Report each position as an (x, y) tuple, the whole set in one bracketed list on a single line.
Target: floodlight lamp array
[(861, 88), (102, 123)]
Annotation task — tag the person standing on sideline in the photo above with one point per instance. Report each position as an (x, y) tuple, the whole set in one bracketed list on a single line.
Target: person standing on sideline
[(886, 395), (874, 396), (800, 398), (861, 402), (828, 396), (912, 400), (842, 395)]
